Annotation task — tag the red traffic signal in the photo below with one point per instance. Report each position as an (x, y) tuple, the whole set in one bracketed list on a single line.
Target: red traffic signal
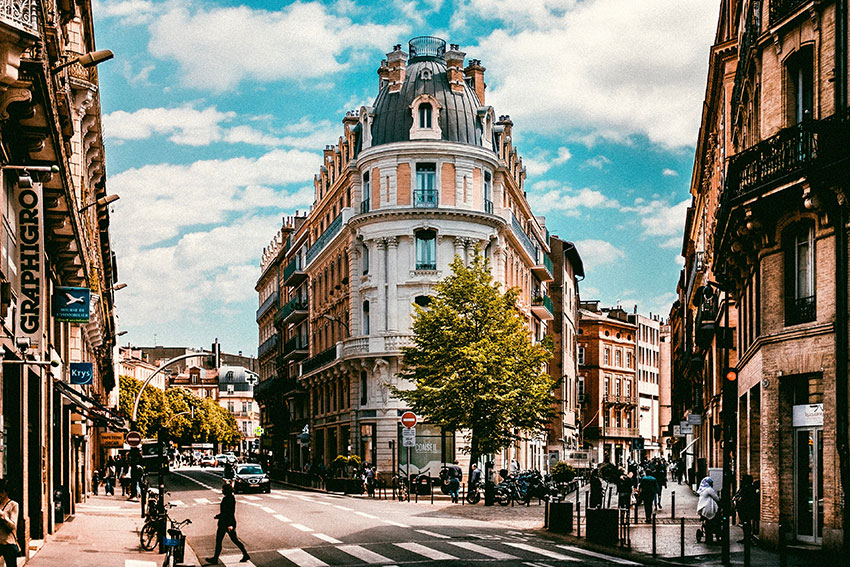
[(732, 375)]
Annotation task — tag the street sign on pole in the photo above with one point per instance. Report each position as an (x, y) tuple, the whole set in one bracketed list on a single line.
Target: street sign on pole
[(408, 419), (408, 437), (134, 439)]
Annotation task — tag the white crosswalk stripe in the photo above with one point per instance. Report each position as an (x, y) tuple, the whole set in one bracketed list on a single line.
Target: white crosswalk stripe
[(597, 555), (302, 527), (396, 524), (251, 497), (365, 555), (235, 560), (432, 534), (343, 508), (202, 501), (137, 563), (483, 551), (282, 518), (267, 510), (177, 502), (540, 551), (276, 496), (302, 558), (327, 538), (424, 551), (365, 515)]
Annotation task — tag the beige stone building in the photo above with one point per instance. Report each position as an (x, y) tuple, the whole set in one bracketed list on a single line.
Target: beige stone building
[(766, 256)]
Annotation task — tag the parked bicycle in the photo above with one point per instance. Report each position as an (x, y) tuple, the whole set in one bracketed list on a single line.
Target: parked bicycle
[(175, 543), (154, 525)]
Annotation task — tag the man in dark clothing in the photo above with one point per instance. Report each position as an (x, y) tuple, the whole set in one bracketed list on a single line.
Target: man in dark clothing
[(455, 474), (474, 477), (648, 487), (227, 525)]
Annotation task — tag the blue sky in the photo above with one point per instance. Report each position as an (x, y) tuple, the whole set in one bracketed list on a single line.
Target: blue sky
[(215, 114)]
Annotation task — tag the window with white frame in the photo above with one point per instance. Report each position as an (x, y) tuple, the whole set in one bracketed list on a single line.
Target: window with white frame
[(426, 118)]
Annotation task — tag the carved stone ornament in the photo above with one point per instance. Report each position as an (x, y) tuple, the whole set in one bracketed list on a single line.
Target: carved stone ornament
[(11, 96)]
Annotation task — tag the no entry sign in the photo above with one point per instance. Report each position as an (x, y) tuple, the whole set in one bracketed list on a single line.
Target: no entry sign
[(408, 419), (134, 439)]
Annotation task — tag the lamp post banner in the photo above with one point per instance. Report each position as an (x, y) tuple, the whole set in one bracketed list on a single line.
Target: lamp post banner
[(31, 262)]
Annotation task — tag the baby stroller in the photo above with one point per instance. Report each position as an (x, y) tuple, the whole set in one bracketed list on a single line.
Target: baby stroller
[(709, 529)]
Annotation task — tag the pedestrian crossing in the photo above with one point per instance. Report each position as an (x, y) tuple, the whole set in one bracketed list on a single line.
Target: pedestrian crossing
[(458, 551)]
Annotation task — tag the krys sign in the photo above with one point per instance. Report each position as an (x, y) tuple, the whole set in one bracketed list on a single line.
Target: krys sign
[(30, 256)]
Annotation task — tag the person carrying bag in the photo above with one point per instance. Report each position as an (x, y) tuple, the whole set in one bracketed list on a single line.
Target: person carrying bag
[(8, 526)]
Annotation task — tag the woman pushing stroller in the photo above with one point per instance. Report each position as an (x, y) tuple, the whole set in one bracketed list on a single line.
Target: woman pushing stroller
[(708, 508)]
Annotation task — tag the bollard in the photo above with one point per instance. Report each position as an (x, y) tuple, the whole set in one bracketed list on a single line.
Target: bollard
[(432, 492), (587, 499), (416, 498), (682, 536), (783, 555), (747, 529), (462, 494), (578, 519), (610, 492), (654, 553), (637, 505), (673, 504)]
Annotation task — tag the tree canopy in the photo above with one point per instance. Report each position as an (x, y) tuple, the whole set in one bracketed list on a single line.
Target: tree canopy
[(473, 365), (207, 421)]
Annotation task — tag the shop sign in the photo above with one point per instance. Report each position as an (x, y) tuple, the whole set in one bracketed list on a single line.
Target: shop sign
[(110, 440), (82, 373), (686, 428), (807, 415), (31, 261), (677, 431), (695, 419), (71, 304)]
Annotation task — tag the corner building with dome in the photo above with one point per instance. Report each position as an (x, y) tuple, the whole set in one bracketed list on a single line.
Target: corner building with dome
[(427, 173)]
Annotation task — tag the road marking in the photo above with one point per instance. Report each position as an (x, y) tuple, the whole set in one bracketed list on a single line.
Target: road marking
[(343, 508), (420, 549), (267, 509), (302, 558), (137, 563), (251, 497), (530, 564), (322, 503), (540, 551), (481, 550), (282, 518), (304, 498), (390, 522), (432, 534), (485, 536), (365, 515), (234, 560), (302, 527), (611, 558), (327, 538), (177, 502), (276, 496), (202, 501), (187, 477), (364, 554)]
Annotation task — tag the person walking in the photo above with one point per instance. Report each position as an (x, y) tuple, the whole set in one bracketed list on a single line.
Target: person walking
[(8, 526), (746, 505), (227, 525), (648, 486), (455, 474), (95, 481), (661, 479), (624, 491), (595, 489), (109, 478), (370, 480), (474, 477)]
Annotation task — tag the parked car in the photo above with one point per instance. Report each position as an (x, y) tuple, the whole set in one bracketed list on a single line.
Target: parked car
[(222, 458), (208, 461), (251, 477)]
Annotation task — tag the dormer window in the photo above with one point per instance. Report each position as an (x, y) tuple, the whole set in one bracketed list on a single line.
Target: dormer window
[(426, 74), (425, 112), (425, 115)]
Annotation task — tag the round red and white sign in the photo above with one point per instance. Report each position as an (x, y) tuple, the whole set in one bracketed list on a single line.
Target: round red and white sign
[(408, 419), (134, 439)]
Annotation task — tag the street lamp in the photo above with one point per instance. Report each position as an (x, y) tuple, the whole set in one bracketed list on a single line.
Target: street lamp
[(90, 59), (118, 286), (335, 320), (102, 201)]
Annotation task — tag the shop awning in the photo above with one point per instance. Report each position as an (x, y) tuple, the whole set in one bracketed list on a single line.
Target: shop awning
[(92, 409)]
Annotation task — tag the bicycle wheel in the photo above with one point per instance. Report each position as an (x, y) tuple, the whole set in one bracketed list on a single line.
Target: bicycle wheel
[(170, 559), (502, 497), (148, 536)]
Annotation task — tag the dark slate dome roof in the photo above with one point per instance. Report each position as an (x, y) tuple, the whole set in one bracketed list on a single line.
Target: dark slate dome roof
[(458, 113)]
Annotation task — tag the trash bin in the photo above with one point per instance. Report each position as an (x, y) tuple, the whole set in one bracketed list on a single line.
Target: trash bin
[(560, 518), (602, 525)]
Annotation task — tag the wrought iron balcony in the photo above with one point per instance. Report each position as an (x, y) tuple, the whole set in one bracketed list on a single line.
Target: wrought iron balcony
[(802, 310), (426, 266), (427, 46), (779, 9), (268, 346), (542, 307), (488, 206), (20, 14), (293, 273), (295, 348), (365, 206), (323, 358), (332, 230), (425, 198), (523, 238), (269, 302), (295, 310), (542, 267)]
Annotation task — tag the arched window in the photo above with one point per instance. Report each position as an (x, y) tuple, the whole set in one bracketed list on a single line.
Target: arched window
[(425, 115), (426, 250), (365, 259), (422, 300)]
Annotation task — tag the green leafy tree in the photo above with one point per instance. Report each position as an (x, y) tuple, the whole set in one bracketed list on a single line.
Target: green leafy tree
[(473, 365)]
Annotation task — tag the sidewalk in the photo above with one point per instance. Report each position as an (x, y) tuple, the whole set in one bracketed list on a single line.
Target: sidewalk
[(105, 530)]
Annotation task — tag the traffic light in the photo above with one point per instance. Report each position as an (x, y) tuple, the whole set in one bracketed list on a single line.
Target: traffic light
[(730, 407)]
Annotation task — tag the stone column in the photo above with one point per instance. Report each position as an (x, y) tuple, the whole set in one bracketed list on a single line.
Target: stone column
[(392, 283), (460, 248), (379, 313), (355, 270)]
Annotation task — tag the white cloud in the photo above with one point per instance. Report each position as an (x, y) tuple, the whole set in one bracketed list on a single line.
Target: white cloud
[(669, 172), (541, 163), (607, 68), (563, 156), (597, 162), (185, 125), (660, 218), (598, 253), (130, 12), (568, 201), (216, 48)]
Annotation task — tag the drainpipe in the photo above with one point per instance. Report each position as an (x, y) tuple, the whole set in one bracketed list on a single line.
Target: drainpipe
[(842, 431)]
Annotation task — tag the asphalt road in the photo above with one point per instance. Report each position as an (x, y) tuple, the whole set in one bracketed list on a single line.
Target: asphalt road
[(308, 529)]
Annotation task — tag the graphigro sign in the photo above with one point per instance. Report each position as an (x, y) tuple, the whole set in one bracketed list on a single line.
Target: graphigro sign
[(30, 255)]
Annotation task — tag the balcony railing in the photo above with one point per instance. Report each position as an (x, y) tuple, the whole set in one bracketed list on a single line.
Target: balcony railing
[(425, 198), (426, 266), (321, 359), (620, 432), (488, 206), (294, 345), (543, 307), (427, 46), (752, 27), (20, 14), (332, 230), (268, 345), (267, 304), (364, 206), (781, 8), (771, 161), (802, 310), (542, 267), (293, 273), (524, 239), (295, 308)]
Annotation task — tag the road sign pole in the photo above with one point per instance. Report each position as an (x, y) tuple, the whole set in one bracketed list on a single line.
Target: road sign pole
[(408, 474)]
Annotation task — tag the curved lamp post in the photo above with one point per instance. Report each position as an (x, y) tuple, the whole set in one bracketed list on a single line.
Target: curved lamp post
[(157, 371)]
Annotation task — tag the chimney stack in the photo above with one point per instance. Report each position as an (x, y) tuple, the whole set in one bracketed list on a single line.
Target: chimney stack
[(396, 65), (383, 75), (475, 72), (454, 68)]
